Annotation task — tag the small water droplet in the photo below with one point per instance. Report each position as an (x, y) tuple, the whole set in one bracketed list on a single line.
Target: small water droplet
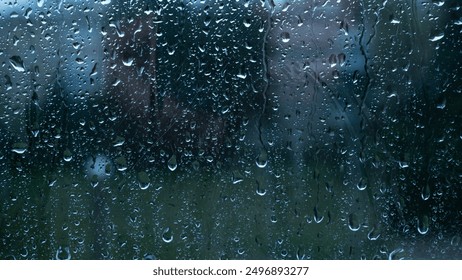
[(332, 60), (394, 253), (108, 169), (17, 63), (437, 37), (67, 155), (373, 234), (423, 224), (63, 253), (285, 36), (361, 185), (143, 180), (149, 256), (121, 163), (242, 75), (40, 3), (119, 141), (341, 59), (167, 235), (19, 148), (455, 240), (441, 103), (128, 61), (28, 12), (260, 191), (317, 217), (172, 164), (353, 222), (425, 192), (262, 159), (237, 177), (94, 181)]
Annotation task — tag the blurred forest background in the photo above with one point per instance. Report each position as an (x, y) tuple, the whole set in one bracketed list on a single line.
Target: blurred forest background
[(230, 129)]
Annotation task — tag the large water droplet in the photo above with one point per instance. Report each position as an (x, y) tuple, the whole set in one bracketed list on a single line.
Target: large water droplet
[(262, 159), (40, 3), (361, 185), (318, 217), (67, 155), (119, 141), (425, 192), (455, 240), (353, 222), (17, 63), (167, 235), (373, 234), (63, 253), (121, 163), (128, 61), (437, 37), (423, 224), (172, 164), (285, 36), (19, 148), (260, 190), (143, 180), (237, 177), (394, 254)]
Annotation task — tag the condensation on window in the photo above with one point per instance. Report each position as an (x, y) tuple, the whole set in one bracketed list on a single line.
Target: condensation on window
[(247, 129)]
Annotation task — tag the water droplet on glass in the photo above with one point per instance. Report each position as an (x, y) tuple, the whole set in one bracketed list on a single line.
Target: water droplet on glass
[(148, 256), (143, 180), (121, 163), (332, 60), (237, 177), (441, 104), (242, 75), (79, 60), (262, 159), (353, 222), (94, 181), (167, 235), (285, 36), (40, 3), (19, 148), (108, 169), (67, 155), (437, 37), (394, 253), (128, 61), (361, 185), (196, 165), (455, 240), (423, 224), (119, 141), (63, 253), (17, 63), (28, 12), (425, 192), (105, 2), (260, 191), (172, 164), (373, 234), (317, 217)]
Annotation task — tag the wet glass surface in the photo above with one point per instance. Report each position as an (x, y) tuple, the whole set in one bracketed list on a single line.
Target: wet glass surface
[(230, 129)]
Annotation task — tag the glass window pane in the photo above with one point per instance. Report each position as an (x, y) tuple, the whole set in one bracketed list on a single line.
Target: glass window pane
[(264, 129)]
